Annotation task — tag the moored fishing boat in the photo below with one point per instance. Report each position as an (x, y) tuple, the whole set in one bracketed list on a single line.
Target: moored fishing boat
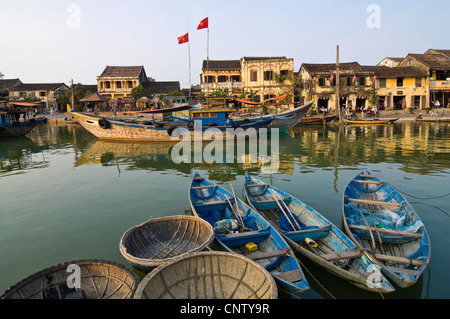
[(368, 121), (381, 220), (313, 236), (148, 245), (208, 275), (240, 229), (141, 129), (317, 120), (282, 121), (98, 279), (13, 123)]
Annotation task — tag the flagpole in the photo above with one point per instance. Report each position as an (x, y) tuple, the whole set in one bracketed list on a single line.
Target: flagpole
[(190, 86), (207, 67)]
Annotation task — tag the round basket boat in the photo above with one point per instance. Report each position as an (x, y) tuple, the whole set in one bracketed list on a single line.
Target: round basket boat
[(208, 275), (148, 245), (83, 279)]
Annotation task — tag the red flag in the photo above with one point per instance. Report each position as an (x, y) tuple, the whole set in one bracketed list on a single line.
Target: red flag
[(203, 24), (183, 38)]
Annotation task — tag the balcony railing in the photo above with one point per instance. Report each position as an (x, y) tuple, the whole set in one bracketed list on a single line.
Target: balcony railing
[(440, 84)]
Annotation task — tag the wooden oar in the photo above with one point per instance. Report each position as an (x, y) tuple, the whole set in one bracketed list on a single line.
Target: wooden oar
[(238, 219), (370, 231), (376, 230), (281, 208), (293, 217), (236, 203)]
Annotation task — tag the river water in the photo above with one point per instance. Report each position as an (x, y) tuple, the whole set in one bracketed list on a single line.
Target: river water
[(65, 195)]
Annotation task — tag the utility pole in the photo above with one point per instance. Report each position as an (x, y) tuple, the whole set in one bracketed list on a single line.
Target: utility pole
[(338, 106), (72, 96)]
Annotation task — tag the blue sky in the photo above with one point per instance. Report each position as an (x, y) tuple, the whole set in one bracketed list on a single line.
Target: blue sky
[(46, 41)]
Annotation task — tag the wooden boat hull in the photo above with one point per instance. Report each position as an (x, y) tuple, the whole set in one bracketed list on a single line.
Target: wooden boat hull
[(368, 121), (148, 245), (208, 275), (260, 242), (433, 120), (380, 220), (317, 120), (16, 129), (283, 121), (120, 130), (335, 252), (99, 279)]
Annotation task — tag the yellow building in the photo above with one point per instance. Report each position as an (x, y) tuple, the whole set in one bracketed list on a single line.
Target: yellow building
[(46, 94), (319, 83), (400, 87), (259, 74), (222, 75), (118, 81), (436, 63), (251, 74)]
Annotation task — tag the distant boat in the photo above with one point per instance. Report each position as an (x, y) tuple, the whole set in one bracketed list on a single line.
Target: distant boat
[(240, 229), (381, 221), (317, 120), (142, 129), (433, 119), (313, 236), (283, 121), (363, 121), (98, 279), (13, 123)]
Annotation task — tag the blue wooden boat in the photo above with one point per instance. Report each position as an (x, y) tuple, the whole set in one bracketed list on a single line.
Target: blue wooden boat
[(381, 220), (240, 229), (141, 129), (313, 236), (13, 123)]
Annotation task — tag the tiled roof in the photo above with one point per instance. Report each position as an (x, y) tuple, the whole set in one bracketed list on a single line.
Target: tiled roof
[(38, 86), (350, 67), (122, 71), (394, 72), (222, 65), (8, 84), (162, 87), (434, 51), (434, 61)]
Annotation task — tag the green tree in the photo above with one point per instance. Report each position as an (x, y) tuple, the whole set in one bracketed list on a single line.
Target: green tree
[(138, 92)]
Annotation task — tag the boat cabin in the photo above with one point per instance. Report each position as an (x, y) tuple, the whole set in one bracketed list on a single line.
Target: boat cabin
[(210, 117)]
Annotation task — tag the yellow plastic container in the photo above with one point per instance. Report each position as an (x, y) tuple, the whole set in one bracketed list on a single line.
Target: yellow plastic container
[(251, 246)]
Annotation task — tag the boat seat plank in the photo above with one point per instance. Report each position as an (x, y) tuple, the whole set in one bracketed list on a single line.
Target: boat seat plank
[(401, 260), (290, 276), (366, 176), (256, 185), (388, 231), (374, 202), (342, 255), (267, 255), (368, 182), (203, 187)]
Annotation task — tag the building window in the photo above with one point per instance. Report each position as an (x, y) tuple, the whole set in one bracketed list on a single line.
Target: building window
[(268, 75), (349, 81), (399, 82), (321, 82), (235, 78), (118, 85), (361, 80), (222, 78), (42, 93), (130, 84), (253, 76), (418, 82), (382, 83), (284, 73), (107, 85), (210, 79)]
